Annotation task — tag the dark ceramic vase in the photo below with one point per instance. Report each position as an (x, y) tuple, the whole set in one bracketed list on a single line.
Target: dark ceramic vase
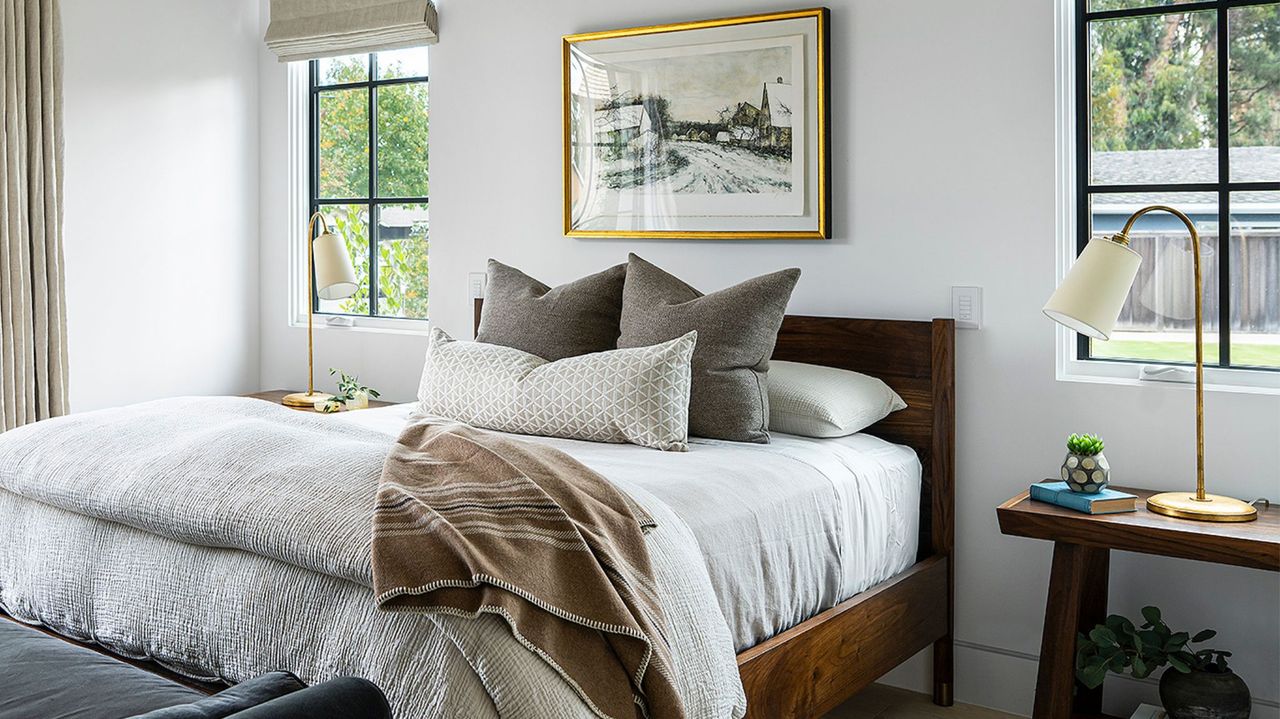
[(1204, 695)]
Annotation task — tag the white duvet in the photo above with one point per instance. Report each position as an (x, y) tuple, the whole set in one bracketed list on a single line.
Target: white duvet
[(787, 529), (226, 537)]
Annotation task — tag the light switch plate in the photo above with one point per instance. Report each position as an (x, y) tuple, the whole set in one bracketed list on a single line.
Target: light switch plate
[(966, 307), (476, 285)]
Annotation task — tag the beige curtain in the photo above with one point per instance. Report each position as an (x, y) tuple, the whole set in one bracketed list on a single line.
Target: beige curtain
[(33, 321)]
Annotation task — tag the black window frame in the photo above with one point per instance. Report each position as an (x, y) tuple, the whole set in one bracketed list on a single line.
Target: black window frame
[(371, 199), (1222, 187)]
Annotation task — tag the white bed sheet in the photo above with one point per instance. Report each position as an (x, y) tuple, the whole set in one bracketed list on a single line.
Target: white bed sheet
[(787, 529)]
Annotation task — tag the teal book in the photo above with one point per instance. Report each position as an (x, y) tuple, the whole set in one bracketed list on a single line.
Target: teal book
[(1106, 501)]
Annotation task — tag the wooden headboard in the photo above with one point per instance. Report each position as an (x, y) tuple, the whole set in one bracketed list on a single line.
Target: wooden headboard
[(916, 359)]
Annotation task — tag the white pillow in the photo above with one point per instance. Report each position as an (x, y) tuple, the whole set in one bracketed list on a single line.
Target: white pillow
[(815, 401), (638, 395)]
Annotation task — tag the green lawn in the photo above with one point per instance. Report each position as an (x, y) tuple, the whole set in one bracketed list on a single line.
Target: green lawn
[(1256, 355)]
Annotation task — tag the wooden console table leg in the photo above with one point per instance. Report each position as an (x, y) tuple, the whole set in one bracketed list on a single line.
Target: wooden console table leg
[(1077, 594), (1093, 611)]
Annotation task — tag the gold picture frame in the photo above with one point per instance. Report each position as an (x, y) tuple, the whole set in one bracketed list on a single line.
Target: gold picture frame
[(631, 139)]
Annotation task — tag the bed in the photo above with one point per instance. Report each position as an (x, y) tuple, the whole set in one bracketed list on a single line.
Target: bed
[(820, 583)]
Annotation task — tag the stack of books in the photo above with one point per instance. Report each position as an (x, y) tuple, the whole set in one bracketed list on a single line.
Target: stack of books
[(1105, 501)]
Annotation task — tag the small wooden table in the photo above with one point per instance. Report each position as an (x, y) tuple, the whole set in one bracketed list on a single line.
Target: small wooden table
[(275, 395), (1078, 580)]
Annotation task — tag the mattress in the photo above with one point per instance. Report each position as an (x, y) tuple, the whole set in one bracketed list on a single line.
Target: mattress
[(786, 529)]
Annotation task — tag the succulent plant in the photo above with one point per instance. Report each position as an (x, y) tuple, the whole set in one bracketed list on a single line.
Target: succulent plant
[(1084, 444)]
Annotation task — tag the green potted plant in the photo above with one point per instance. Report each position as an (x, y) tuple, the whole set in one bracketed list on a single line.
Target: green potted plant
[(350, 395), (1198, 683), (1085, 469)]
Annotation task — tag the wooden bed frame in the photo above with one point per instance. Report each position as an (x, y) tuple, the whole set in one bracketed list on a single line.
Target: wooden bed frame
[(811, 668)]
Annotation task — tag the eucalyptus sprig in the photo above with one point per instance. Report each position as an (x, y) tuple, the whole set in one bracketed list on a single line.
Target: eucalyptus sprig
[(1084, 444), (331, 405), (348, 387), (1118, 646)]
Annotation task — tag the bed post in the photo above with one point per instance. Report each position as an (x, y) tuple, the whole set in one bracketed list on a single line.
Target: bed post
[(944, 496)]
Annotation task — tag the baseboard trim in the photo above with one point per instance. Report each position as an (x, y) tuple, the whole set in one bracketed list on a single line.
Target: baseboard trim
[(1027, 656)]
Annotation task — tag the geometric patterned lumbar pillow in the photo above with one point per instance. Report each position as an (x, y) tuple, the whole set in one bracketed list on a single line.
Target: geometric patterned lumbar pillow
[(638, 395)]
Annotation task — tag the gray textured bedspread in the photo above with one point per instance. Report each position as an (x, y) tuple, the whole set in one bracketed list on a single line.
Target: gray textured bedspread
[(225, 537)]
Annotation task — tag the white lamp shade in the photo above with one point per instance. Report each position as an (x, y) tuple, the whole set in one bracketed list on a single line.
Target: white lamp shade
[(335, 277), (1092, 294)]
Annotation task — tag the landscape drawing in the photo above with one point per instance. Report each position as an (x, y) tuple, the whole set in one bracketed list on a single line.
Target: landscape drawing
[(707, 124)]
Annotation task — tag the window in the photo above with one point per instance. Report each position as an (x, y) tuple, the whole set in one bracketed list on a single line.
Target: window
[(1178, 103), (367, 173)]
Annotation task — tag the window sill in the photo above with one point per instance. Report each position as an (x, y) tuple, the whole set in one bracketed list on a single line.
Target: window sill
[(1216, 379), (377, 325)]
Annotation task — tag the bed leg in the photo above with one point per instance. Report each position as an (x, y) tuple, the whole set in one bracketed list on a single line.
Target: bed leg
[(943, 672)]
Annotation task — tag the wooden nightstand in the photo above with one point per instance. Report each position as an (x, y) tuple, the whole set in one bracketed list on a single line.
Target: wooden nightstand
[(275, 395), (1078, 581)]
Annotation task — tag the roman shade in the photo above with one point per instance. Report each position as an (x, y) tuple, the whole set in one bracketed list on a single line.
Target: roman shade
[(309, 29)]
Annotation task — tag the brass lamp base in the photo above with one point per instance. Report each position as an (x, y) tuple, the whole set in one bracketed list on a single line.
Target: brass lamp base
[(305, 399), (1213, 508)]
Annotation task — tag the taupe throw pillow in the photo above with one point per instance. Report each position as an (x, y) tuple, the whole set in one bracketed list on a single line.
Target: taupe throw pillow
[(552, 322), (737, 328)]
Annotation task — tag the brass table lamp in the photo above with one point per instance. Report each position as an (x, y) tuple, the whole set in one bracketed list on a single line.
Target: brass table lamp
[(330, 276), (1089, 301)]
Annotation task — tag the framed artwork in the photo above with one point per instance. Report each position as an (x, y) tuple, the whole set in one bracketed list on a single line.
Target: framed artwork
[(717, 129)]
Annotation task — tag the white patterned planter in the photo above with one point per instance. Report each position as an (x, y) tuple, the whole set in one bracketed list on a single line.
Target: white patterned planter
[(1086, 473)]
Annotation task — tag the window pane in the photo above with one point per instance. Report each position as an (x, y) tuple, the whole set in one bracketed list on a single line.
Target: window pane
[(351, 223), (1254, 83), (1104, 5), (402, 140), (1255, 279), (1158, 319), (1153, 108), (348, 68), (402, 63), (344, 143), (402, 261)]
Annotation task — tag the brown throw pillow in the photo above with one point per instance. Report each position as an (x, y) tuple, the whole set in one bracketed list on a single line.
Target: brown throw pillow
[(573, 319), (737, 328)]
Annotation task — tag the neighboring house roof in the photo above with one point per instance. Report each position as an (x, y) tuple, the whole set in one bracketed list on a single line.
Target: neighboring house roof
[(621, 118), (781, 98), (722, 136), (392, 216), (1140, 167), (745, 132)]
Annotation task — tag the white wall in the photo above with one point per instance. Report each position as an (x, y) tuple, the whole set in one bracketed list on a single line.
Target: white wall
[(943, 142), (161, 198)]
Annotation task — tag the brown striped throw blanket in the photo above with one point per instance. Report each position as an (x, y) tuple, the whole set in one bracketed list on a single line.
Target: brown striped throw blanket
[(470, 522)]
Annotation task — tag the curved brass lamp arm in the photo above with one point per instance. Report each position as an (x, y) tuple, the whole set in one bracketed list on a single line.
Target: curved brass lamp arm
[(324, 225), (1123, 238), (1128, 225)]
